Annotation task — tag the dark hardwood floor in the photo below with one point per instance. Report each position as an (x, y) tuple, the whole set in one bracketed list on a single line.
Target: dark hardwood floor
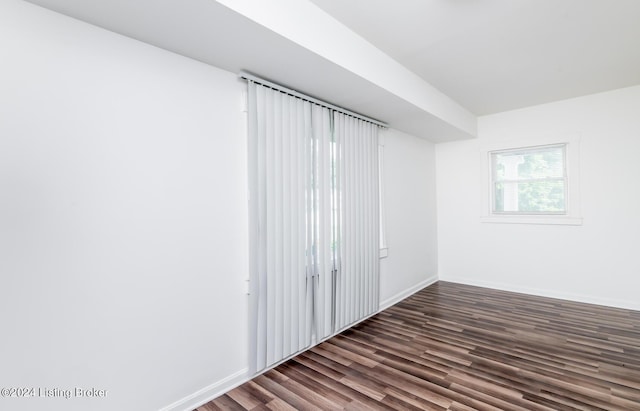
[(457, 347)]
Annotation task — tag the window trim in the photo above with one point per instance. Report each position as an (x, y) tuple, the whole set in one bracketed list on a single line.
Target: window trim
[(571, 215)]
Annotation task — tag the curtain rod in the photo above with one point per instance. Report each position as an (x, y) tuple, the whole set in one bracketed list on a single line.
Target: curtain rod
[(255, 79)]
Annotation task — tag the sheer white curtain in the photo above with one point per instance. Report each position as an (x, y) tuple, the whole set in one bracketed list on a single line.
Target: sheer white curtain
[(313, 205), (358, 274)]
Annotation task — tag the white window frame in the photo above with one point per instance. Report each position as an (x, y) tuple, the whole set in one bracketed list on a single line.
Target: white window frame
[(571, 215)]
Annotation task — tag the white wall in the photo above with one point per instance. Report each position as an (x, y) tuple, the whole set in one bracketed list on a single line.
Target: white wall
[(595, 262), (410, 205), (123, 245), (123, 219)]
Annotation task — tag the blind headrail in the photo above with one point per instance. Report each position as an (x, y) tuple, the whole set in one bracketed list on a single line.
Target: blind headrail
[(255, 79)]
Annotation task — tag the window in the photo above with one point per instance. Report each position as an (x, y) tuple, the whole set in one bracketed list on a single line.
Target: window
[(529, 181), (532, 180)]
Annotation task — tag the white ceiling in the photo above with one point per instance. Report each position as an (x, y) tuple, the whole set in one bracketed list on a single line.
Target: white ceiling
[(498, 55), (211, 32), (485, 55)]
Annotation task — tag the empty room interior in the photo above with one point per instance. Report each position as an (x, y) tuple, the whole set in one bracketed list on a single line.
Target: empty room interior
[(320, 204)]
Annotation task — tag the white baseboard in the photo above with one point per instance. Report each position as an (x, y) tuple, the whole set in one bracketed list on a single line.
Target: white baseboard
[(406, 293), (629, 305), (218, 388), (210, 392)]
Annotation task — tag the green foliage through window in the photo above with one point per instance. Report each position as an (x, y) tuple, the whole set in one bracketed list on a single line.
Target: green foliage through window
[(529, 181)]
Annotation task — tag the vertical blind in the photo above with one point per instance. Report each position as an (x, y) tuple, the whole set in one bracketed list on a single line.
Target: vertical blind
[(358, 208), (313, 187)]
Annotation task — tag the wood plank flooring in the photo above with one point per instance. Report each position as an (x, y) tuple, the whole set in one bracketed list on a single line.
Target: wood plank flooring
[(457, 347)]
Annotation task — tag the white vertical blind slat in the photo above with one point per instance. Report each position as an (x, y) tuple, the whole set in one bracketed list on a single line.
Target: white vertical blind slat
[(369, 217), (272, 280), (361, 221), (262, 204), (254, 230), (326, 210), (360, 206), (309, 219), (346, 229), (298, 275), (353, 219), (316, 120), (355, 136), (341, 282), (366, 218), (292, 174), (306, 283), (279, 246), (375, 219), (287, 210)]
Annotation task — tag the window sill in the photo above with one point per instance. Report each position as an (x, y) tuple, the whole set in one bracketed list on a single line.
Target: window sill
[(544, 220)]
